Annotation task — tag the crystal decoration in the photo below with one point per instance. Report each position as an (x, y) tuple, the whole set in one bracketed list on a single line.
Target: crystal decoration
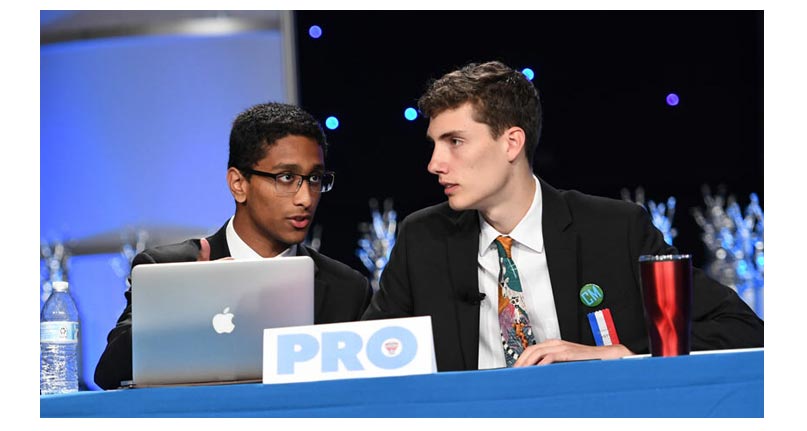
[(377, 239), (660, 214), (734, 240)]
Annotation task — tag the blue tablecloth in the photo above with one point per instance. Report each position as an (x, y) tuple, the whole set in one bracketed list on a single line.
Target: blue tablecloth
[(726, 384)]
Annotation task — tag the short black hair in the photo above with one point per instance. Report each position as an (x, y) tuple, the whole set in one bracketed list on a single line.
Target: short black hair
[(259, 127), (501, 97)]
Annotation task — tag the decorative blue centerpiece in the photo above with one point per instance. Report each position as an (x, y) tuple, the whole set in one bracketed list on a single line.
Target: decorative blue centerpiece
[(735, 242), (661, 214), (377, 240), (53, 266)]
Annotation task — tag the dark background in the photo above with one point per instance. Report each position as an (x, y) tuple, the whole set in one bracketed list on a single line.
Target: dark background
[(603, 78)]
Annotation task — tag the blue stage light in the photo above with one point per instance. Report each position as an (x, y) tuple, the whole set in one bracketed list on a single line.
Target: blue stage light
[(528, 73), (672, 99), (332, 123), (410, 114), (315, 31)]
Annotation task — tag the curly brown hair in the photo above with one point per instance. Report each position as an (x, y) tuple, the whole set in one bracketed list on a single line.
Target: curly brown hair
[(501, 97)]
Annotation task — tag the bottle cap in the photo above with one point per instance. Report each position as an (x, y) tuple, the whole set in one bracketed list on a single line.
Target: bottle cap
[(60, 286)]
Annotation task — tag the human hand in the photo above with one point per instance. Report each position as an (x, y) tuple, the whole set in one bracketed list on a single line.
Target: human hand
[(556, 350), (204, 251)]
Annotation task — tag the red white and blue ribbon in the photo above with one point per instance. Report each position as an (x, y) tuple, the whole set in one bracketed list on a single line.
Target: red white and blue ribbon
[(602, 326)]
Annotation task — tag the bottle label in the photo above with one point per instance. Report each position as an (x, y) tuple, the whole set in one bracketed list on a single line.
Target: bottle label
[(58, 332)]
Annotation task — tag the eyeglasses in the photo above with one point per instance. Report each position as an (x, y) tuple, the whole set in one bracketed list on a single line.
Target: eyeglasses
[(287, 183)]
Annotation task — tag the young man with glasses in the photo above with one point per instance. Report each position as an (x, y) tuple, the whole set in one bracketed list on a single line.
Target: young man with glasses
[(276, 174), (510, 269)]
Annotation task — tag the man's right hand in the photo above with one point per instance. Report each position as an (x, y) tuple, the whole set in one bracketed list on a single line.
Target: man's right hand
[(204, 250)]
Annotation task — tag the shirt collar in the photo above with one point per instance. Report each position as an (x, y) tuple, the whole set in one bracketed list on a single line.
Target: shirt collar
[(240, 250), (528, 231)]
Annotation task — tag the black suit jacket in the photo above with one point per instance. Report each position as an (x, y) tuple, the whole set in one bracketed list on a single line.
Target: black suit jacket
[(341, 294), (432, 271)]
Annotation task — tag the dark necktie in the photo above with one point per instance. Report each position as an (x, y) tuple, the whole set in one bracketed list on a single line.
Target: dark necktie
[(513, 319)]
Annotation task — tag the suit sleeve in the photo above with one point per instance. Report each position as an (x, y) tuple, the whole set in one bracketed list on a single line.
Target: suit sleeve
[(720, 318), (115, 364), (394, 296)]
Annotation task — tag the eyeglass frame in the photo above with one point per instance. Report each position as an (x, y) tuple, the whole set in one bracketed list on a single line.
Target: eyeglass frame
[(301, 177)]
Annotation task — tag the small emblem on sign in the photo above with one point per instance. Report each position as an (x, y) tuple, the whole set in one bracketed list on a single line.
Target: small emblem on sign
[(391, 347)]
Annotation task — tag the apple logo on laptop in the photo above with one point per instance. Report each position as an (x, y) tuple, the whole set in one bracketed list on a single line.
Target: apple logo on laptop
[(223, 322)]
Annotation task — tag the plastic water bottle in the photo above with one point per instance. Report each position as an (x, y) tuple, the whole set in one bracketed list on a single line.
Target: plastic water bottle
[(58, 342)]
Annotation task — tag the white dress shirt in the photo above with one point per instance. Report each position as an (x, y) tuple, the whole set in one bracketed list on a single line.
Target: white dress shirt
[(529, 256), (240, 250)]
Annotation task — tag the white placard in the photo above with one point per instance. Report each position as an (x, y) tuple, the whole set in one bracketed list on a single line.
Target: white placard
[(373, 348)]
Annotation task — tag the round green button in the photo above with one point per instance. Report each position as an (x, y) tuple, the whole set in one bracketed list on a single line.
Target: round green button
[(591, 295)]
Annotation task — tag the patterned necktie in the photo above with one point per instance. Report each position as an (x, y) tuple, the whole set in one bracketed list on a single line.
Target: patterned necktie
[(513, 319)]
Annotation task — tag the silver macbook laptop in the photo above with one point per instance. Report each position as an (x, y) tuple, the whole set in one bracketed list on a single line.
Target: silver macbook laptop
[(203, 322)]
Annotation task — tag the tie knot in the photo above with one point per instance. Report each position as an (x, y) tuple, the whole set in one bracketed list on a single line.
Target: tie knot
[(506, 242)]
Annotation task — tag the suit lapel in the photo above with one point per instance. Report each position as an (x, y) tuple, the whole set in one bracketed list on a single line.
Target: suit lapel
[(320, 285), (560, 243), (218, 244), (462, 248)]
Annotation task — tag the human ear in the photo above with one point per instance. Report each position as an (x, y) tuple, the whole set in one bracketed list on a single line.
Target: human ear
[(515, 139), (238, 185)]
